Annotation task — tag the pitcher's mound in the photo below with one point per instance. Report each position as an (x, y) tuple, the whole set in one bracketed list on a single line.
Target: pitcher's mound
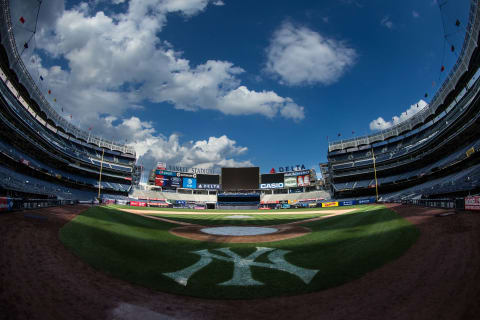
[(240, 234), (238, 231)]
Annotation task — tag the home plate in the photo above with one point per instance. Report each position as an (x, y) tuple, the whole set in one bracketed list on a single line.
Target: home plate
[(238, 231), (237, 216)]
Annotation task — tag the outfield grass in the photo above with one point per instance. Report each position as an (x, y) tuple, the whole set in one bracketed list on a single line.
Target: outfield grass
[(141, 250), (223, 219), (272, 211)]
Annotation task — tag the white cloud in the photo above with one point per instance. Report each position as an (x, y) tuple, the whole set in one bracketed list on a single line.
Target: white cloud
[(386, 22), (381, 124), (267, 103), (299, 56), (219, 3), (118, 62), (415, 14), (151, 146)]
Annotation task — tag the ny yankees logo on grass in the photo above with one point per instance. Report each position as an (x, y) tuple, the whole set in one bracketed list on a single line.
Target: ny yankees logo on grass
[(242, 275)]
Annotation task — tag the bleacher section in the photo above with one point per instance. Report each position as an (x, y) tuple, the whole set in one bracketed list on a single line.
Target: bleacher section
[(429, 154), (13, 181), (138, 193), (460, 182), (41, 153), (318, 195)]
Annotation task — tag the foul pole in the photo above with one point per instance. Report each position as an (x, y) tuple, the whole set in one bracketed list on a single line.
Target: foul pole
[(375, 172), (100, 177)]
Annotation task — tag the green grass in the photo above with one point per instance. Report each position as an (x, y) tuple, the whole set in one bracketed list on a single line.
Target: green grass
[(118, 206), (140, 250), (223, 219)]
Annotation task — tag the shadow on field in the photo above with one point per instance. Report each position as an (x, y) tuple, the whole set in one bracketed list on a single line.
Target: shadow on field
[(140, 250)]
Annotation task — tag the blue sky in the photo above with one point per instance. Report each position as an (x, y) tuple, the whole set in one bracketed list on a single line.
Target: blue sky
[(230, 83)]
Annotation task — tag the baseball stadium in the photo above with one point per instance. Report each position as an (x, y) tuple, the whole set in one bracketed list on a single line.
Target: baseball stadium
[(386, 228)]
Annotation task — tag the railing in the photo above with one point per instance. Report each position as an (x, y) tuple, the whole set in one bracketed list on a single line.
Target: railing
[(24, 77), (451, 117), (460, 67), (434, 203)]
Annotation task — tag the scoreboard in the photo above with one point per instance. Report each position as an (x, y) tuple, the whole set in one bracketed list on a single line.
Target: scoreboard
[(240, 178)]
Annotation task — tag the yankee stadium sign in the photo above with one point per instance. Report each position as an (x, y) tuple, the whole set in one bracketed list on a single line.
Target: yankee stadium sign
[(190, 170)]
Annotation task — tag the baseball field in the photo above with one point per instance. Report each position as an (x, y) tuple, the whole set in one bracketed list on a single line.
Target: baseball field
[(375, 262), (257, 254)]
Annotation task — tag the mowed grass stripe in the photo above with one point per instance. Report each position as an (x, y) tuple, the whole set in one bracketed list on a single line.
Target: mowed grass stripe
[(141, 250), (266, 219), (173, 210)]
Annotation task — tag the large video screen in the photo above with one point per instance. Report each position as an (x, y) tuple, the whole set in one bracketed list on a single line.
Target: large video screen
[(272, 178), (208, 178), (240, 178)]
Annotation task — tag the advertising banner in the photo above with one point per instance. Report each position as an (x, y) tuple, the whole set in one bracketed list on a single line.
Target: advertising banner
[(159, 181), (158, 204), (271, 185), (166, 182), (290, 182), (186, 175), (347, 203), (303, 181), (269, 202), (209, 186), (367, 201), (297, 173), (165, 173), (175, 182), (190, 183), (329, 204), (6, 204), (297, 167), (138, 204), (472, 203)]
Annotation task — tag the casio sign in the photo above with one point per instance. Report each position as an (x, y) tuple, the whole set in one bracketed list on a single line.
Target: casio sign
[(271, 185)]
